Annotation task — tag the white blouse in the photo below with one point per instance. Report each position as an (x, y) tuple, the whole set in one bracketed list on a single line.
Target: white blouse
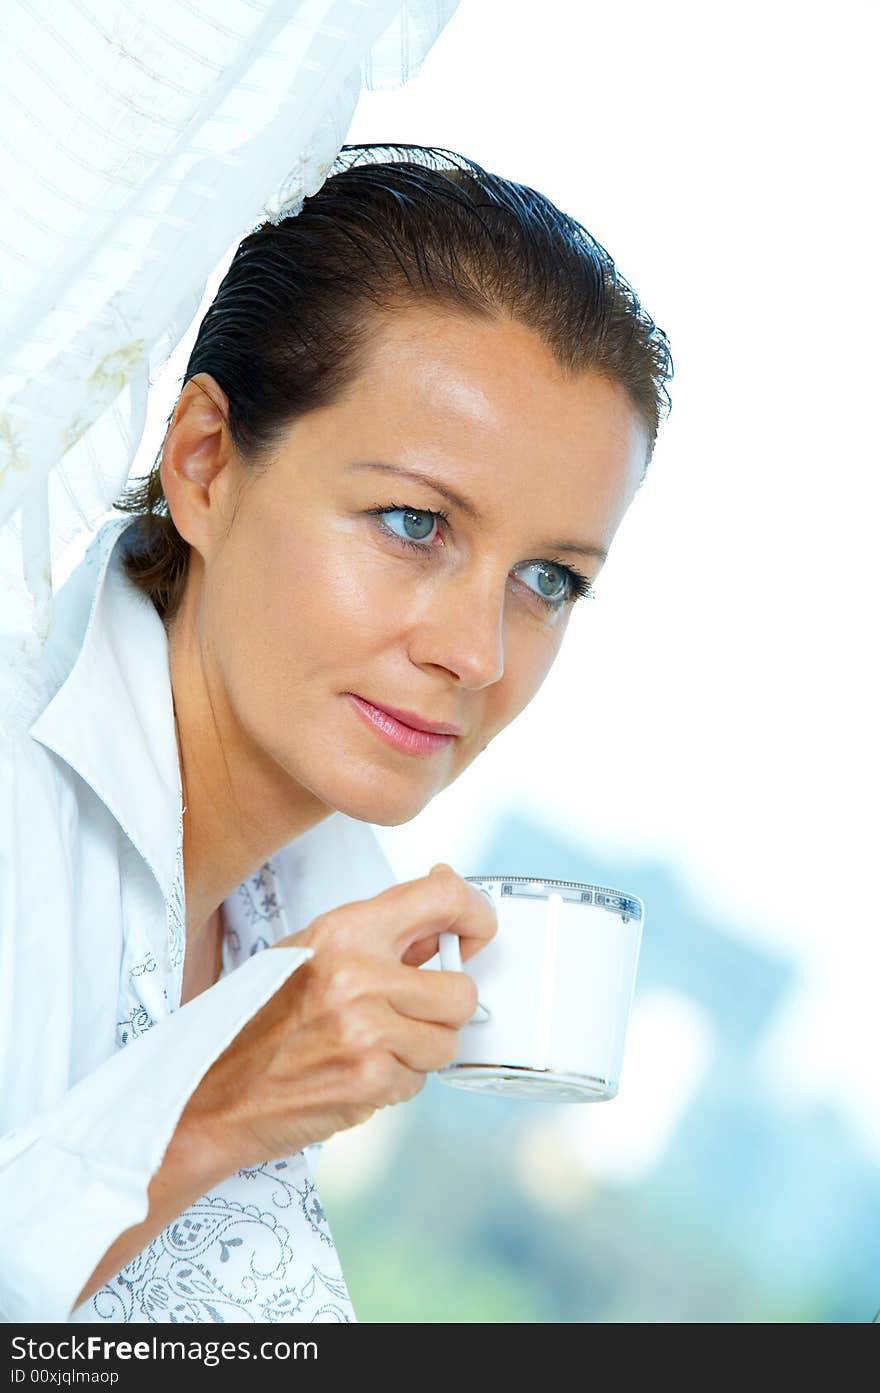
[(97, 1056)]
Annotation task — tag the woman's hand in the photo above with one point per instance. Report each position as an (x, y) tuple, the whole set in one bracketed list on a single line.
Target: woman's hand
[(355, 1028)]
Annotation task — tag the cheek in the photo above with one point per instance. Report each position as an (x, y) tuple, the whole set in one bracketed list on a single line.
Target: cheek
[(305, 600), (263, 617)]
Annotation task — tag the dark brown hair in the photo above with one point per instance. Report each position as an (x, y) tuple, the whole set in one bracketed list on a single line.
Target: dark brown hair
[(291, 324)]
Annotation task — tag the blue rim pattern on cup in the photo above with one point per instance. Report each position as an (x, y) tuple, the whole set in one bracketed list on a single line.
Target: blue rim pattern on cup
[(580, 892)]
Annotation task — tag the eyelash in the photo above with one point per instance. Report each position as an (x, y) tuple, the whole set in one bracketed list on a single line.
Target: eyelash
[(579, 586)]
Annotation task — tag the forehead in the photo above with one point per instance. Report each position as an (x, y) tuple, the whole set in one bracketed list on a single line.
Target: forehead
[(482, 395)]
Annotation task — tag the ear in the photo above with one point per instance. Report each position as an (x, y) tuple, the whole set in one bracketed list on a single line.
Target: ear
[(198, 471)]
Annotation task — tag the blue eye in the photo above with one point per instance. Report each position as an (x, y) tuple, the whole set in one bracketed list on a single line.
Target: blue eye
[(419, 514), (574, 585)]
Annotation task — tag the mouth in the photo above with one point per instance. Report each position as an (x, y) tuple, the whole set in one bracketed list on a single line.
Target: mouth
[(410, 739)]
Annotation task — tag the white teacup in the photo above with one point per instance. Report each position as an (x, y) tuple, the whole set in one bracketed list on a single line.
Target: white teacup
[(555, 986)]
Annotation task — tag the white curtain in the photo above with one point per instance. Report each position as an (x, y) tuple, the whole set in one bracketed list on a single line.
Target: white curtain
[(138, 142)]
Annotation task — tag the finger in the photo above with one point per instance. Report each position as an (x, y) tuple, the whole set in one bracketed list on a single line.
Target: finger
[(408, 918), (440, 902), (417, 954), (424, 949), (447, 998), (425, 1046)]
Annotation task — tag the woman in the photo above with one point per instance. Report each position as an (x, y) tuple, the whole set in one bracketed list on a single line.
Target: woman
[(412, 421)]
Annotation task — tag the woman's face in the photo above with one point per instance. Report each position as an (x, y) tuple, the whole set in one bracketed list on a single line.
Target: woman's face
[(298, 596)]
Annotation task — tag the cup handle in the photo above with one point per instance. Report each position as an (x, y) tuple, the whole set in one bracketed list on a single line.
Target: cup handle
[(450, 961)]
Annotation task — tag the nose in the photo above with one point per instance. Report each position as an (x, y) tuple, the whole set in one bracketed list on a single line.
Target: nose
[(462, 630)]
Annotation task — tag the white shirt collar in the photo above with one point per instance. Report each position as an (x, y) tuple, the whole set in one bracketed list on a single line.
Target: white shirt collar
[(112, 718)]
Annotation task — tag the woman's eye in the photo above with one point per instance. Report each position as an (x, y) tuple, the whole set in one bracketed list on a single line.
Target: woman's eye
[(415, 523), (553, 583), (558, 585)]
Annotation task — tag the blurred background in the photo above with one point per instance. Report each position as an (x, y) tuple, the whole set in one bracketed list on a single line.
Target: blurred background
[(706, 739)]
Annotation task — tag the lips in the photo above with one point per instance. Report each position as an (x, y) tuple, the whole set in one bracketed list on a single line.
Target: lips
[(413, 720), (398, 733)]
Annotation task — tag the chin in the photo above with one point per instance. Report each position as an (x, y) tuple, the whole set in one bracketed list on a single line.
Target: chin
[(379, 806)]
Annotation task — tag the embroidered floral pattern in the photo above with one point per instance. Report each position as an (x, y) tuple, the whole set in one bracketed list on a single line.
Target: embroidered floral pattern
[(223, 1260), (147, 964), (137, 1023), (257, 900)]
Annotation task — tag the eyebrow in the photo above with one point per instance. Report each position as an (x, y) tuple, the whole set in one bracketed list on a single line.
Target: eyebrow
[(466, 506)]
